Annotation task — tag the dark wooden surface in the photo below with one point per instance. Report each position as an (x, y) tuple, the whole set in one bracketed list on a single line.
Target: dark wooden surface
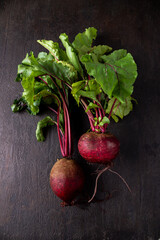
[(28, 208)]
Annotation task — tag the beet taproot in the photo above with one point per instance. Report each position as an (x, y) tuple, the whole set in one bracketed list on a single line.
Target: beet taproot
[(98, 147), (66, 179)]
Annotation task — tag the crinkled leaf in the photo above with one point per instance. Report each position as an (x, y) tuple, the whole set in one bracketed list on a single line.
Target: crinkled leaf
[(101, 50), (91, 105), (121, 67), (47, 121), (39, 86), (115, 56), (73, 57), (45, 56), (60, 70), (104, 121), (116, 75), (94, 86), (88, 94), (99, 71), (83, 41), (69, 71), (30, 66), (18, 105), (48, 98), (54, 49), (120, 109), (28, 93), (42, 65), (76, 87), (86, 89)]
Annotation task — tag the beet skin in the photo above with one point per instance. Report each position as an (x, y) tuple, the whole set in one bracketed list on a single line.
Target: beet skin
[(66, 179), (98, 147)]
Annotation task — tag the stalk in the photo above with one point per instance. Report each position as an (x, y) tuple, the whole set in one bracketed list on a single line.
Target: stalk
[(59, 136), (106, 125), (66, 132), (63, 140), (67, 137), (89, 114), (112, 108)]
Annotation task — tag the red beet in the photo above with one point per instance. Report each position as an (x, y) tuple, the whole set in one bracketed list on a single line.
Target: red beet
[(66, 179), (98, 147)]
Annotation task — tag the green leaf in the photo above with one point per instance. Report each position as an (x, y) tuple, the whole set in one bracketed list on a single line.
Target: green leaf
[(115, 118), (122, 68), (30, 66), (60, 70), (45, 56), (86, 88), (43, 65), (100, 50), (91, 105), (115, 56), (47, 96), (28, 94), (76, 87), (73, 57), (120, 109), (94, 86), (47, 121), (88, 94), (70, 73), (116, 75), (83, 41), (99, 71), (18, 105), (54, 49), (104, 121), (39, 86), (81, 93)]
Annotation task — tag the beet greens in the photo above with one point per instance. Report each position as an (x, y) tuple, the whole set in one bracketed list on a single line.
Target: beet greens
[(42, 81), (100, 79)]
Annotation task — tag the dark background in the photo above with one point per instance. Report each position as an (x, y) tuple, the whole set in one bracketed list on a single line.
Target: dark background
[(28, 208)]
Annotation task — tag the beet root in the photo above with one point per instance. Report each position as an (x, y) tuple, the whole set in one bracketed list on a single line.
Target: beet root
[(66, 179), (98, 147)]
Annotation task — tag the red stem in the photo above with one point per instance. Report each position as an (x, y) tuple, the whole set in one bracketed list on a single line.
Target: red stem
[(64, 92), (43, 80), (69, 132), (57, 124), (66, 132), (112, 108), (59, 136), (117, 107), (89, 114), (106, 125), (59, 131), (67, 123), (53, 110)]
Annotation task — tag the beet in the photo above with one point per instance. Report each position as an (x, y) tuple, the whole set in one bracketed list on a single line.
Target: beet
[(98, 147), (66, 179)]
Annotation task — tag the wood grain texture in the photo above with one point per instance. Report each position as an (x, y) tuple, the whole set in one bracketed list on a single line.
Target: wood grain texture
[(28, 208)]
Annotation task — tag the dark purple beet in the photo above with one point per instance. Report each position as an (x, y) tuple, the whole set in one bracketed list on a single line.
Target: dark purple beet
[(66, 179), (98, 147)]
